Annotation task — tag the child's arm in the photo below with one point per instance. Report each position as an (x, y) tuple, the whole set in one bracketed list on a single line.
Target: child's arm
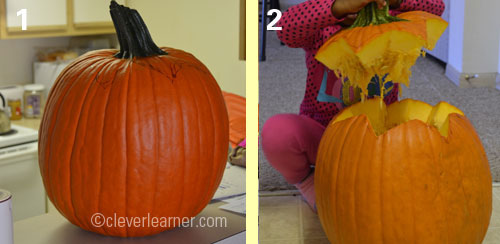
[(431, 6), (302, 22)]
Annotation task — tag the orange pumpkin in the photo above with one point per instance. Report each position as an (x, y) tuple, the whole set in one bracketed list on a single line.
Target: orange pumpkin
[(406, 173), (140, 132), (236, 108)]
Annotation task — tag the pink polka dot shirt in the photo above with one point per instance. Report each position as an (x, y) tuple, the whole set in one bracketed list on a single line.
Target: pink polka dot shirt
[(310, 24)]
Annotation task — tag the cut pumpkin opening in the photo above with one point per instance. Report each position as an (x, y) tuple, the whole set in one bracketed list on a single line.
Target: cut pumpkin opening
[(383, 118)]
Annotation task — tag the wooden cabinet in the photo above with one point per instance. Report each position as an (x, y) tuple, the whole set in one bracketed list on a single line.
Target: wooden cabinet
[(47, 18)]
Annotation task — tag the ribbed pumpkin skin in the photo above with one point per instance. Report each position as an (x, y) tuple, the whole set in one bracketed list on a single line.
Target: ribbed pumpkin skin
[(133, 137), (408, 185)]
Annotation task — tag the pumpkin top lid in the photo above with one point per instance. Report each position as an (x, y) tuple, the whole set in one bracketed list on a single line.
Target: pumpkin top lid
[(133, 34), (380, 44)]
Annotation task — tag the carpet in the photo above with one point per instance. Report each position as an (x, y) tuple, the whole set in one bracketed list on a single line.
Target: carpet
[(282, 79)]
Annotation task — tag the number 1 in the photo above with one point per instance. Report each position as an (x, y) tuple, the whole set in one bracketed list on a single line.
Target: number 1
[(23, 12)]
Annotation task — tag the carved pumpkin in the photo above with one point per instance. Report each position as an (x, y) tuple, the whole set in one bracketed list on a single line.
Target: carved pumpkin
[(138, 132), (406, 173), (380, 44)]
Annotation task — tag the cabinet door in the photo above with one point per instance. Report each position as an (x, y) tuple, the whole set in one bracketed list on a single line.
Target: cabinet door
[(92, 13), (41, 15)]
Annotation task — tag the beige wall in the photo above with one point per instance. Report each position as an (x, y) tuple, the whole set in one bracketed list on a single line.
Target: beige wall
[(207, 29), (17, 56)]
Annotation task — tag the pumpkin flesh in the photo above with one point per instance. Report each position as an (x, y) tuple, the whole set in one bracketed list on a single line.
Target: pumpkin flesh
[(383, 118)]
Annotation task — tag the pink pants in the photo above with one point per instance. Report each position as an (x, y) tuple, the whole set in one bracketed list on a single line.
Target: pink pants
[(290, 143)]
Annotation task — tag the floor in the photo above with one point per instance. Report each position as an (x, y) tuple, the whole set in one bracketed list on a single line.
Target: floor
[(288, 219)]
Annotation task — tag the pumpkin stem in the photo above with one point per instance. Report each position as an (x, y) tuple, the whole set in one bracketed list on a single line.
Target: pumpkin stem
[(372, 15), (133, 34)]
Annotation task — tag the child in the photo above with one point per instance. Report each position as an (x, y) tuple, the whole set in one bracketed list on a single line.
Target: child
[(290, 141)]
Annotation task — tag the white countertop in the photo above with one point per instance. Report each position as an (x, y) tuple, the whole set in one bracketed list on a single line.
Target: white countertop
[(30, 123), (53, 228)]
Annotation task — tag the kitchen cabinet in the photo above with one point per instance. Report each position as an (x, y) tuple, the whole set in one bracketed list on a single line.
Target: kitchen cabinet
[(243, 30), (49, 14), (92, 13), (49, 18)]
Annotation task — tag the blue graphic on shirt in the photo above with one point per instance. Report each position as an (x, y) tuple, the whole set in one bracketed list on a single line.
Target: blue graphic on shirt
[(374, 86), (322, 96)]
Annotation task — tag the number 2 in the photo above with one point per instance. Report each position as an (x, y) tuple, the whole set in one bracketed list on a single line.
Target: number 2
[(271, 24), (23, 12)]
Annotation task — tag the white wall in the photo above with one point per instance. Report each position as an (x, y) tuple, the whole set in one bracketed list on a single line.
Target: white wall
[(499, 54), (474, 45), (207, 29), (456, 38), (481, 36), (17, 57), (498, 75)]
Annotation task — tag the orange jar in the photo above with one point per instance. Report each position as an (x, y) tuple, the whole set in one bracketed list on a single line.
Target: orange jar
[(15, 109)]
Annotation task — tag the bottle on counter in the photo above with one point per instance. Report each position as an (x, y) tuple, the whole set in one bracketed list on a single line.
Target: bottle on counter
[(33, 100), (15, 109)]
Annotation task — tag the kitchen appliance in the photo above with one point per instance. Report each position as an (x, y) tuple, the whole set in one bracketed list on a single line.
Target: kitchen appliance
[(4, 117), (20, 174), (6, 230), (46, 73)]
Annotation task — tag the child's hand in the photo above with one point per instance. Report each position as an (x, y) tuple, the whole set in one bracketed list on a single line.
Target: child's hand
[(348, 20), (394, 3), (341, 8)]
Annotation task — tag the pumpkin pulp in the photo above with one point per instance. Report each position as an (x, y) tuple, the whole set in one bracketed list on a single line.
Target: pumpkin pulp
[(372, 15), (383, 118)]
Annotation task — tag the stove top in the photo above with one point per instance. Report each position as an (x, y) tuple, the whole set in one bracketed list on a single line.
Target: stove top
[(8, 133), (18, 135)]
